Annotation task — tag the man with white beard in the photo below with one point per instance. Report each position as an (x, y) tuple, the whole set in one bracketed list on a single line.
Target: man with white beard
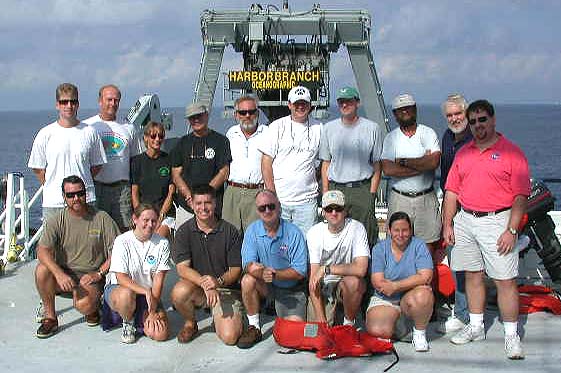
[(245, 178), (457, 135)]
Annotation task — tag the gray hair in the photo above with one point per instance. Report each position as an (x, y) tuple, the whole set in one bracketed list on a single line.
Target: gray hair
[(455, 99), (246, 98)]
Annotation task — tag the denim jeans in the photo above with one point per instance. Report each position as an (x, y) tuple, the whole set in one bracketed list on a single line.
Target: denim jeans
[(460, 300), (304, 215)]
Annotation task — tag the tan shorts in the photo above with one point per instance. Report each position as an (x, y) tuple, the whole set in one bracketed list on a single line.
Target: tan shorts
[(230, 303), (424, 212), (475, 247), (376, 301)]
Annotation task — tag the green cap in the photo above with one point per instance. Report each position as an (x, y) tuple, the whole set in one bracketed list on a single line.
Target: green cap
[(348, 93)]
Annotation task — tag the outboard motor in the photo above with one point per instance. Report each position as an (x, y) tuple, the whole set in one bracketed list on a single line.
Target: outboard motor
[(541, 229)]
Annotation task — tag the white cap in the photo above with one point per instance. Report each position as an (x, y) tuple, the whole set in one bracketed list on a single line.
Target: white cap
[(403, 100), (299, 93)]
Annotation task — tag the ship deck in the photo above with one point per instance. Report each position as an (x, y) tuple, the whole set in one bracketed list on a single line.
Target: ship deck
[(78, 347)]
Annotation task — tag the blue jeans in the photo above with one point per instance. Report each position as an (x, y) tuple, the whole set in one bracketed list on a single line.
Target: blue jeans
[(304, 215), (460, 300)]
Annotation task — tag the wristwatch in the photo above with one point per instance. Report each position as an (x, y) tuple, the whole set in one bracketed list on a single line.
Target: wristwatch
[(513, 231), (327, 270)]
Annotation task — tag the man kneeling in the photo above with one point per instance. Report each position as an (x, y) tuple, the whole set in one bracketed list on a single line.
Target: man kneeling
[(73, 255), (206, 251), (338, 250), (275, 260), (401, 276)]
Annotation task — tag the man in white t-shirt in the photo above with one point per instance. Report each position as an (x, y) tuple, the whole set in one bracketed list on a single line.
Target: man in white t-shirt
[(290, 155), (410, 155), (63, 148), (245, 179), (339, 254), (112, 186)]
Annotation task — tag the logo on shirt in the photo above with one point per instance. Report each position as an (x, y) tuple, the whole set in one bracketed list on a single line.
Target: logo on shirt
[(495, 156), (151, 259), (209, 153), (113, 144), (95, 233), (283, 250), (163, 171)]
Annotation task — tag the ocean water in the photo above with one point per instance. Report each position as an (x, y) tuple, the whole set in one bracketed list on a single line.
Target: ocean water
[(535, 128)]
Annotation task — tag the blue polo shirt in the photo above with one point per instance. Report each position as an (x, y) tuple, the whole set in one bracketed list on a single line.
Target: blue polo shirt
[(415, 257), (286, 250)]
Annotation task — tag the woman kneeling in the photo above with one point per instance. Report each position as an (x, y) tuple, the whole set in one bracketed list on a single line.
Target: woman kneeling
[(401, 276), (139, 263)]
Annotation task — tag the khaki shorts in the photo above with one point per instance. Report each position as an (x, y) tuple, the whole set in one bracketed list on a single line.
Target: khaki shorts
[(475, 247), (332, 298), (376, 301), (424, 212), (230, 303)]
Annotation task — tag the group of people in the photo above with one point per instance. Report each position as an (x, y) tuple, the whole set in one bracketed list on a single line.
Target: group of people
[(238, 216)]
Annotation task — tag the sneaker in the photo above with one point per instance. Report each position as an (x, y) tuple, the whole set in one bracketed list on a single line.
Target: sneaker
[(39, 313), (250, 337), (129, 333), (453, 324), (48, 328), (93, 319), (188, 332), (420, 343), (513, 347), (468, 334)]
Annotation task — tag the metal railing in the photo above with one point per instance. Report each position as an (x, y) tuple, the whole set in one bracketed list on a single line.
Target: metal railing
[(14, 220)]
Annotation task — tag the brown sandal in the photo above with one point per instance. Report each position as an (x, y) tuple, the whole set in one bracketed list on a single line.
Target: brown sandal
[(188, 332), (48, 328)]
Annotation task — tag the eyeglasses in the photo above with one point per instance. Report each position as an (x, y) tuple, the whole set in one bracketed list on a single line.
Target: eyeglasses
[(66, 102), (270, 206), (71, 195), (246, 112), (480, 120), (158, 135), (330, 209)]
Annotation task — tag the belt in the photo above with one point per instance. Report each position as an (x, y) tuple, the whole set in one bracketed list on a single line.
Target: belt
[(245, 186), (114, 184), (481, 214), (414, 194), (352, 184)]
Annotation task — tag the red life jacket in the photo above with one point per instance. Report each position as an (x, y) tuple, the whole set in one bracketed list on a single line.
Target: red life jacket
[(537, 299)]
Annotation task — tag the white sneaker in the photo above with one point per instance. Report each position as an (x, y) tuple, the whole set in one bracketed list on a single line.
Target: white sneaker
[(129, 333), (468, 334), (453, 324), (513, 347), (420, 343)]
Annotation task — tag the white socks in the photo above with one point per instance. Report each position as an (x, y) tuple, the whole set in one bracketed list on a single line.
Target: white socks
[(254, 320), (476, 320), (511, 328), (348, 322), (420, 333)]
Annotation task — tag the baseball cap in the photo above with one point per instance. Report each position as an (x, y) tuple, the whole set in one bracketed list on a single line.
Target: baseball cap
[(195, 109), (299, 93), (403, 100), (348, 93), (333, 197)]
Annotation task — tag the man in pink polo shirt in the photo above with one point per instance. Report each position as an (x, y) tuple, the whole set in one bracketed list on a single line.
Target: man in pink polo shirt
[(489, 180)]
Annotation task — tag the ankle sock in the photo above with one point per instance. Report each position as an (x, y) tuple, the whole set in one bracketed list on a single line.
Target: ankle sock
[(476, 320), (254, 320), (511, 328), (348, 322), (420, 333)]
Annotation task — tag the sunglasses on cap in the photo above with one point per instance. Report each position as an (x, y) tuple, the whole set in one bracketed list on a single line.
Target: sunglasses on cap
[(480, 120), (270, 206), (158, 135), (66, 102), (79, 193), (246, 112), (332, 208)]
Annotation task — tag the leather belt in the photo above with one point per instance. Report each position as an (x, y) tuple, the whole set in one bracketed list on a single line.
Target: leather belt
[(414, 194), (245, 186), (113, 184), (352, 184), (481, 214)]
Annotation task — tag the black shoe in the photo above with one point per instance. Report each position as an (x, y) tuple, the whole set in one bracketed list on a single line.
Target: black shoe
[(48, 328), (250, 337)]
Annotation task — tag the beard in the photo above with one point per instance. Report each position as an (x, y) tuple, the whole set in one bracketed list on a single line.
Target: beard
[(248, 126), (458, 127)]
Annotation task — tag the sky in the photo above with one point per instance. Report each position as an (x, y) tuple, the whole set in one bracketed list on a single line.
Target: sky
[(504, 50)]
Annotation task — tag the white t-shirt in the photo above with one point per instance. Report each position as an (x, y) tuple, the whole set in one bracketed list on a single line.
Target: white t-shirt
[(245, 167), (140, 260), (294, 148), (397, 145), (326, 248), (63, 152), (120, 143)]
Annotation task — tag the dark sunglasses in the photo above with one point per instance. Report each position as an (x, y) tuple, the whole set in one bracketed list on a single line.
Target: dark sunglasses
[(480, 120), (66, 102), (158, 135), (70, 195), (330, 209), (246, 112), (270, 206)]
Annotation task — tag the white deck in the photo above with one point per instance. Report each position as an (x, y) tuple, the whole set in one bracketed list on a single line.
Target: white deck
[(78, 347)]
